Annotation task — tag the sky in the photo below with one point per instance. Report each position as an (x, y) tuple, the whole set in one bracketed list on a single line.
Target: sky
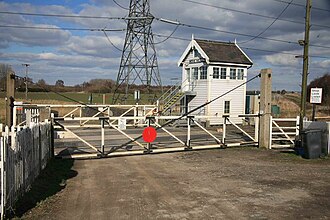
[(76, 56)]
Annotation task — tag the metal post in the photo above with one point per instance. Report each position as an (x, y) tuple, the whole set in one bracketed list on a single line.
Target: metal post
[(271, 132), (224, 130), (188, 132), (26, 79), (305, 67), (313, 113), (102, 136), (149, 144)]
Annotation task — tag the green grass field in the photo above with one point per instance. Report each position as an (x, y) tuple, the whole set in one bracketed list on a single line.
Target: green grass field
[(65, 98), (74, 97)]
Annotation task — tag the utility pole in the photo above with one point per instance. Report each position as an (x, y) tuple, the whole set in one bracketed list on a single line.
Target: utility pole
[(305, 67), (26, 79)]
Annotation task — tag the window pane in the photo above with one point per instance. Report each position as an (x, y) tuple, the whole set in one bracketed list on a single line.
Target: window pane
[(240, 74), (232, 73), (223, 73), (195, 72), (203, 72), (227, 107), (215, 73)]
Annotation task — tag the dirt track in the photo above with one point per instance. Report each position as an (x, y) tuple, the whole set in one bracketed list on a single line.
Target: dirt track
[(216, 184)]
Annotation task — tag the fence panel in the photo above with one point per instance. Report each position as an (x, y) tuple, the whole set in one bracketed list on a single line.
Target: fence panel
[(24, 153)]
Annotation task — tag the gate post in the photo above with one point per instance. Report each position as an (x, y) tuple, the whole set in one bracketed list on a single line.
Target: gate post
[(189, 131), (102, 136), (224, 130), (265, 107)]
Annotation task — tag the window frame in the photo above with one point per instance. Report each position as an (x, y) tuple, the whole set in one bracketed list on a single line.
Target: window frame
[(233, 73), (239, 72), (226, 108), (216, 75), (221, 75), (195, 74), (203, 72)]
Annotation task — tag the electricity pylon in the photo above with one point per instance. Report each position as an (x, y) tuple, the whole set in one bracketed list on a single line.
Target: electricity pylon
[(138, 61)]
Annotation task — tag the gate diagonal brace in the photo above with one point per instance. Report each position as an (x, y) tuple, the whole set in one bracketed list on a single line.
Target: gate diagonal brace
[(123, 133), (82, 140), (172, 135), (244, 132), (206, 131), (287, 136)]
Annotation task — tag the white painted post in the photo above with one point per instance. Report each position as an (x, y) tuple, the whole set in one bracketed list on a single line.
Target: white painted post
[(28, 117), (15, 114), (224, 130), (297, 125), (188, 132), (256, 128), (270, 132), (80, 115), (102, 136), (3, 158), (135, 113)]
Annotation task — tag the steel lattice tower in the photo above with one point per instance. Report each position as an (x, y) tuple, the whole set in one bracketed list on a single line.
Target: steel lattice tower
[(138, 61)]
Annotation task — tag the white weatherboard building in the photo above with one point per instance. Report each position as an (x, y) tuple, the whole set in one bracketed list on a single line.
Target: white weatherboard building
[(210, 69)]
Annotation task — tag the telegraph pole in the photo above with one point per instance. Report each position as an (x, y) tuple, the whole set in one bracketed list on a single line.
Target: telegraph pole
[(26, 79), (305, 66)]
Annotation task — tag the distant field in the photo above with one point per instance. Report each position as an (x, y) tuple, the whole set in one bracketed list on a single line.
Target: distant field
[(72, 97)]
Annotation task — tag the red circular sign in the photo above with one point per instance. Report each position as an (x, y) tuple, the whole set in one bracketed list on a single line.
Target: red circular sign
[(149, 134)]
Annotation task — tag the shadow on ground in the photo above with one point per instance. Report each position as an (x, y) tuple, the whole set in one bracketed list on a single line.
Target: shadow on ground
[(51, 180)]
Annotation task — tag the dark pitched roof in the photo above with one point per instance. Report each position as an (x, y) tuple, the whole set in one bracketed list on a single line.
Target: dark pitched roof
[(223, 52)]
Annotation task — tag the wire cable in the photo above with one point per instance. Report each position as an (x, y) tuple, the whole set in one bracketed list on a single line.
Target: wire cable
[(249, 48), (251, 13), (168, 37), (106, 35), (61, 15), (60, 28), (268, 25), (119, 5), (302, 5), (231, 32)]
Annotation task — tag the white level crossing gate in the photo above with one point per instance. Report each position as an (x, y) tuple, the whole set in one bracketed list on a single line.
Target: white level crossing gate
[(113, 130)]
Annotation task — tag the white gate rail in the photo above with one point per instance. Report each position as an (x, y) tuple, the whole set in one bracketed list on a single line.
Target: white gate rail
[(283, 132), (24, 153)]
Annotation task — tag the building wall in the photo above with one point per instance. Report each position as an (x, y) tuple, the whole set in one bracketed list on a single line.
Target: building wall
[(210, 88)]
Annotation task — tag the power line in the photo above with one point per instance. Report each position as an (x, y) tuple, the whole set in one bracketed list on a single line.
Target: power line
[(231, 32), (302, 5), (62, 15), (247, 48), (251, 13), (106, 35), (119, 5), (269, 25), (59, 28), (168, 37)]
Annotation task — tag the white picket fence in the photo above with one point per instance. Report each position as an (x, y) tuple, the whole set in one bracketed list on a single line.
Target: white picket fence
[(25, 151)]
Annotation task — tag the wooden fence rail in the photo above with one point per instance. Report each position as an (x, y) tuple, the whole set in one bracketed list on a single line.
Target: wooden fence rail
[(25, 151)]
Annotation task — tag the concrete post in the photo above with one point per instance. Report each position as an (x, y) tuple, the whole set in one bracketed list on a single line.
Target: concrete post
[(10, 94), (265, 107)]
